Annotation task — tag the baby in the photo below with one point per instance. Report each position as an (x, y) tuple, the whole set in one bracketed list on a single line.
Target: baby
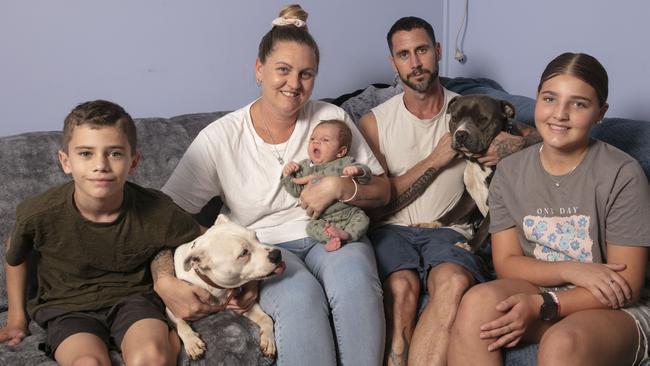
[(328, 145)]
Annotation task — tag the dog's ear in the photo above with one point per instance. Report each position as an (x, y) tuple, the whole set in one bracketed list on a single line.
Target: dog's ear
[(450, 103), (221, 219), (191, 261), (508, 109)]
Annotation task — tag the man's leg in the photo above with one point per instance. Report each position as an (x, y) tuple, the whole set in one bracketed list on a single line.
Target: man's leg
[(453, 271), (446, 284), (401, 294), (397, 263)]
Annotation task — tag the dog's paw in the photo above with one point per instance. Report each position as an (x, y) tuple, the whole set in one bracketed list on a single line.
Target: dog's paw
[(464, 246), (267, 344), (428, 225), (194, 346)]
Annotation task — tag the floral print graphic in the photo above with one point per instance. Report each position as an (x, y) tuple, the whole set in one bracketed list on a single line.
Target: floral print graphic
[(560, 238)]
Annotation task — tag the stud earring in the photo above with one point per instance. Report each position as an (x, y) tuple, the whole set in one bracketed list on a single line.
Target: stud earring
[(258, 82)]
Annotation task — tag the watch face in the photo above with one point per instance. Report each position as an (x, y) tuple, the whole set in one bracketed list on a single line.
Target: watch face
[(548, 311)]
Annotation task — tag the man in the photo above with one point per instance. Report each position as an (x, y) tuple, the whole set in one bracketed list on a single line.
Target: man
[(409, 134)]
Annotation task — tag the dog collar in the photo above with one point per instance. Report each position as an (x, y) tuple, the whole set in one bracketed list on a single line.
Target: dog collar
[(209, 282)]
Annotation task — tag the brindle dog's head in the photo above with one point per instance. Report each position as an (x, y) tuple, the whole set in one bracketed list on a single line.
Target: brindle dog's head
[(476, 120)]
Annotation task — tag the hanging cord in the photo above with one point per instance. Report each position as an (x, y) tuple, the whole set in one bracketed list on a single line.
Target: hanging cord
[(460, 56)]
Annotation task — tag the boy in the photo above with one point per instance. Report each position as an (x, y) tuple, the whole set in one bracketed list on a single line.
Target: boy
[(94, 238), (328, 146)]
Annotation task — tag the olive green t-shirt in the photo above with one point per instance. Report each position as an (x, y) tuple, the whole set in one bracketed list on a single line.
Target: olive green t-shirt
[(84, 265)]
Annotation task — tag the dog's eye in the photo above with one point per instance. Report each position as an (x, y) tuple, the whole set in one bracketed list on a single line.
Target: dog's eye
[(244, 253)]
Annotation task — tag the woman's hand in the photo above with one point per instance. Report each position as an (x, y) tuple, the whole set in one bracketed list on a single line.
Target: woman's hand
[(520, 310), (319, 193), (602, 280)]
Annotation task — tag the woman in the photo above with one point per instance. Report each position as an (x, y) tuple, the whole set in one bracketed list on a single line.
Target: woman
[(569, 237), (240, 158)]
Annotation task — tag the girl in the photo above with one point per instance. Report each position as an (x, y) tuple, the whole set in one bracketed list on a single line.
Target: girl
[(569, 237)]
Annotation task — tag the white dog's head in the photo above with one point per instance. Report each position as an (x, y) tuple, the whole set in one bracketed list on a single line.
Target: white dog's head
[(230, 255)]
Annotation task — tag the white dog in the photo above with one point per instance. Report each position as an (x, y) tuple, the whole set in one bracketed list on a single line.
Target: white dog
[(221, 260)]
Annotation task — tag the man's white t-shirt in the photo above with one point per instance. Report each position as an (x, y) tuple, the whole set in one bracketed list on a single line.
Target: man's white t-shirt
[(228, 159)]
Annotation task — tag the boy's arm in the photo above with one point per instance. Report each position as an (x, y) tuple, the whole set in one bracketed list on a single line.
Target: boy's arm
[(16, 328)]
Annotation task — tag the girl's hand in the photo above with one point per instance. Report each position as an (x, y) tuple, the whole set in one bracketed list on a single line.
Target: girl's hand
[(520, 310), (602, 280)]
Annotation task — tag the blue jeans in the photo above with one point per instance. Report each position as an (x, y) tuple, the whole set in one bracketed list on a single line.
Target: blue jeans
[(327, 306)]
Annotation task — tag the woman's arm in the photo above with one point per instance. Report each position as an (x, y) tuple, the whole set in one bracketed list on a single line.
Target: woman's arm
[(321, 191)]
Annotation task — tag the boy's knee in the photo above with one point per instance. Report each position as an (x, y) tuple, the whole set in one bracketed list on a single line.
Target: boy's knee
[(150, 354)]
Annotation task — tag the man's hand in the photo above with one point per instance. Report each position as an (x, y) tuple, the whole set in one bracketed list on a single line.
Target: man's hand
[(185, 300), (246, 298), (503, 145), (443, 153), (13, 334)]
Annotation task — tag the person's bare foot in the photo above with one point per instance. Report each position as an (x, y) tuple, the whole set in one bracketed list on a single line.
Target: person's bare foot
[(337, 236), (333, 244)]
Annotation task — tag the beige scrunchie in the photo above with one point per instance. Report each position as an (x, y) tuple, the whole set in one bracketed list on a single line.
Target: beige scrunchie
[(288, 21)]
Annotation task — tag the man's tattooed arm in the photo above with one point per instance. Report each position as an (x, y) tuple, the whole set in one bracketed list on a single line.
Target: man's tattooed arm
[(506, 144), (411, 194), (162, 264)]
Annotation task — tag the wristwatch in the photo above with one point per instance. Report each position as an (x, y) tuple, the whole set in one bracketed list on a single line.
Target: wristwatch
[(549, 310)]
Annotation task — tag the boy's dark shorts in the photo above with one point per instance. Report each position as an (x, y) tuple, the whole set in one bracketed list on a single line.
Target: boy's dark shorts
[(109, 324), (403, 247)]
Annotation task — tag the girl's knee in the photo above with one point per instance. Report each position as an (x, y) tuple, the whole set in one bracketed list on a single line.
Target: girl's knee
[(87, 360), (560, 345)]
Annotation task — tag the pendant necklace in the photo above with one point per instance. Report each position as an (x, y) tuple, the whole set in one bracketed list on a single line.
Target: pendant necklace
[(556, 183), (280, 158)]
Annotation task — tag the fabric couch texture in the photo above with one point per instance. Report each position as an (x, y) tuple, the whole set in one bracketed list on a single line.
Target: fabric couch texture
[(29, 165)]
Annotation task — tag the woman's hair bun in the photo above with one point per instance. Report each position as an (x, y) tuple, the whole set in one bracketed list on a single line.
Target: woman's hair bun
[(293, 11)]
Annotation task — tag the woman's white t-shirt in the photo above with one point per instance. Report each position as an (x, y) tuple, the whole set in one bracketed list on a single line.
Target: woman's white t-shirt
[(228, 159)]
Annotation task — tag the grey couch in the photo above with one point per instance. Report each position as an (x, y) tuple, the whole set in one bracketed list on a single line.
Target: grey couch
[(29, 165)]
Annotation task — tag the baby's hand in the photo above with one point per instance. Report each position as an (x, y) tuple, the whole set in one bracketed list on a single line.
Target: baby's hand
[(290, 168), (352, 171)]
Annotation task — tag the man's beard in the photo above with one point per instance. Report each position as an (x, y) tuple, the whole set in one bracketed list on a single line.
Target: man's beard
[(425, 84)]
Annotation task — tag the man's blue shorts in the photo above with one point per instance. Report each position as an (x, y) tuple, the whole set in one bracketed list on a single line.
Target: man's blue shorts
[(403, 247)]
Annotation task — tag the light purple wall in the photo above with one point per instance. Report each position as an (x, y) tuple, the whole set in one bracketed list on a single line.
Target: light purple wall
[(163, 58), (511, 41)]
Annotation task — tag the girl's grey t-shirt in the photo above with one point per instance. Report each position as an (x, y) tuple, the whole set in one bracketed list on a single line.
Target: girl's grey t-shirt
[(606, 198)]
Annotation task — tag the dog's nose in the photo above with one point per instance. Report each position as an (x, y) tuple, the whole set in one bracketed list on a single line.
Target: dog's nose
[(461, 136), (275, 256)]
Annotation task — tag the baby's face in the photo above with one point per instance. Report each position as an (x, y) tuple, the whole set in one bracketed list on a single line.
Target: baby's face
[(324, 145)]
